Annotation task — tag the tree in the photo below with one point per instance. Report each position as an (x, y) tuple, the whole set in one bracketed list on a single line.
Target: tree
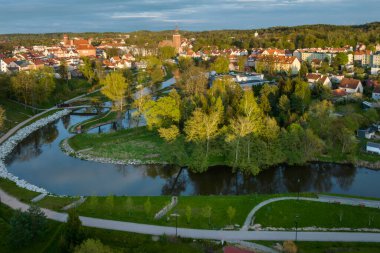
[(304, 70), (193, 82), (202, 127), (166, 52), (188, 213), (221, 65), (185, 63), (22, 86), (290, 247), (92, 246), (242, 61), (164, 112), (340, 59), (139, 104), (73, 232), (147, 207), (115, 88), (301, 97), (2, 117), (207, 212), (87, 69), (169, 134), (28, 226), (129, 205), (231, 213)]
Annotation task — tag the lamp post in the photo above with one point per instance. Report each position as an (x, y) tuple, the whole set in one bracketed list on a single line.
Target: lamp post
[(176, 215), (296, 223)]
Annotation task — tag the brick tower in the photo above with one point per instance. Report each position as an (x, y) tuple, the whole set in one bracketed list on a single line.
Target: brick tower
[(65, 40), (177, 40)]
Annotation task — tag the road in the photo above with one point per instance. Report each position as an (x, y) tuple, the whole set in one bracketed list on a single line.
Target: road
[(200, 233)]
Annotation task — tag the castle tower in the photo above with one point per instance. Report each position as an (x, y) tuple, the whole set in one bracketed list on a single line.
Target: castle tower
[(65, 40), (177, 40)]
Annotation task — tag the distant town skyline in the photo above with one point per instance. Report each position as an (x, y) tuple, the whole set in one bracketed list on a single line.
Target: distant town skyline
[(46, 16)]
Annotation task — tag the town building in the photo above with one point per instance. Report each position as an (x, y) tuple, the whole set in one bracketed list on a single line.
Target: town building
[(373, 147), (351, 86), (175, 42), (314, 78)]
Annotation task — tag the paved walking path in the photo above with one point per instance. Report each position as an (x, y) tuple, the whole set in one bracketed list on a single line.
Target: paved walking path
[(22, 124), (321, 198), (76, 203), (199, 233), (39, 197)]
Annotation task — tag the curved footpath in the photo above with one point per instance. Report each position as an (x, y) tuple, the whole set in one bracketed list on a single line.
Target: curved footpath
[(200, 233), (321, 198)]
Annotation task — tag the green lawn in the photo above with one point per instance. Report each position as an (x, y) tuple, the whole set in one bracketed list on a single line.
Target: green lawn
[(116, 208), (103, 118), (127, 144), (99, 207), (14, 113), (18, 192), (56, 203), (327, 215)]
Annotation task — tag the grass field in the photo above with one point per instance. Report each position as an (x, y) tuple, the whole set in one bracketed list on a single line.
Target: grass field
[(56, 203), (18, 192), (14, 113), (326, 215)]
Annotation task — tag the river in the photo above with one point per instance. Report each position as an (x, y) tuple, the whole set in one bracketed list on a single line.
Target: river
[(39, 160)]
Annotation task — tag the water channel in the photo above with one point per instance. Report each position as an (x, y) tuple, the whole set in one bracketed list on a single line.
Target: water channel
[(39, 160)]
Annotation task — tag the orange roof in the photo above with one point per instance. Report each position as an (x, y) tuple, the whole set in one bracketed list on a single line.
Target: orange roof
[(9, 60), (339, 93), (277, 59), (85, 47), (349, 83)]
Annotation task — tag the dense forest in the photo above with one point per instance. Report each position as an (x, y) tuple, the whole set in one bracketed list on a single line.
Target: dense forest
[(280, 37)]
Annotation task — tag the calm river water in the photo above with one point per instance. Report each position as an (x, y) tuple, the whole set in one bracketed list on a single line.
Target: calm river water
[(39, 160)]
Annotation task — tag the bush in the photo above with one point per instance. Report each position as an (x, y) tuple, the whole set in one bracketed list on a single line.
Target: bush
[(290, 247), (92, 246)]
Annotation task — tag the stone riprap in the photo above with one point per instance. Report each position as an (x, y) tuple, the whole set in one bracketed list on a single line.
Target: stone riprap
[(7, 147)]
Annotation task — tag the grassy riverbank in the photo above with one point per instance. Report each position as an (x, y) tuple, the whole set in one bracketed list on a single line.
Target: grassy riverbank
[(326, 215)]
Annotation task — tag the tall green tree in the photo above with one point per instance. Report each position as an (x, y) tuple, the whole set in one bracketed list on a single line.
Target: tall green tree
[(202, 126), (2, 117), (221, 65), (73, 232), (87, 69), (115, 88)]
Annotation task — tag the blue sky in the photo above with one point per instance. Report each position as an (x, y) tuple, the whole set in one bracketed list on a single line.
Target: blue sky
[(32, 16)]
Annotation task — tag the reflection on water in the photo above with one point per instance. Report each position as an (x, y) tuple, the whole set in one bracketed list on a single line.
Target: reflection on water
[(39, 160)]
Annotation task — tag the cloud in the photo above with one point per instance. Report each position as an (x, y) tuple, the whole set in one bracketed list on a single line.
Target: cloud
[(137, 15)]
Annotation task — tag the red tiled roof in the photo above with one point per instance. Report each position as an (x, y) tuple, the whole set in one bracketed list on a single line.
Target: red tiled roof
[(9, 60), (277, 59), (349, 83), (339, 93), (85, 47)]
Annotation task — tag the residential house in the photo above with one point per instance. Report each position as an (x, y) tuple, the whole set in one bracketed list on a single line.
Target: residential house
[(376, 91), (86, 50), (368, 133), (278, 63), (5, 64), (351, 85), (363, 58), (313, 78), (373, 147)]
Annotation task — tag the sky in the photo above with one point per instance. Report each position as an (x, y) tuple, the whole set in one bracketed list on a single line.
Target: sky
[(45, 16)]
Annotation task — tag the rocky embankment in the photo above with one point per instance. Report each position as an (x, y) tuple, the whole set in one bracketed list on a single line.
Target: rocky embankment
[(7, 147)]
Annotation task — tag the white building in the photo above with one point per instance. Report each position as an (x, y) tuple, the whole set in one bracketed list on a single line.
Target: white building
[(373, 147)]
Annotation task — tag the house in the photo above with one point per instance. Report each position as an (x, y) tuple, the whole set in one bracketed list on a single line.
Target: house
[(351, 85), (368, 133), (373, 147), (313, 78), (6, 63), (278, 63), (316, 63), (376, 92), (86, 50), (363, 57)]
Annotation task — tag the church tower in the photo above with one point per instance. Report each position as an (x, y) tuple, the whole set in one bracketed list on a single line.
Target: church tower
[(65, 40), (177, 40)]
